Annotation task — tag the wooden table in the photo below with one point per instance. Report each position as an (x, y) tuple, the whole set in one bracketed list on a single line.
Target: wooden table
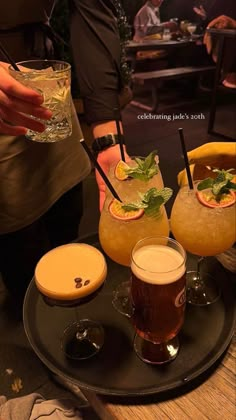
[(155, 44), (214, 398), (132, 47)]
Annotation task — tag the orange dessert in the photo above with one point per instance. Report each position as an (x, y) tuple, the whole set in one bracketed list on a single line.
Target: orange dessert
[(70, 272)]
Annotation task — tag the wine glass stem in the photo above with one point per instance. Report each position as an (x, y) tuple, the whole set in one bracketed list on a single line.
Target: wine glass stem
[(77, 313), (81, 333), (199, 263), (199, 283)]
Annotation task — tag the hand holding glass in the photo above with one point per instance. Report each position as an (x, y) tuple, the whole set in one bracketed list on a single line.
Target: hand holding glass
[(52, 79)]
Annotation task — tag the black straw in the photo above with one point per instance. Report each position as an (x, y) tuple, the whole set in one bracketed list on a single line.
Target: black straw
[(120, 137), (8, 57), (190, 181), (100, 170)]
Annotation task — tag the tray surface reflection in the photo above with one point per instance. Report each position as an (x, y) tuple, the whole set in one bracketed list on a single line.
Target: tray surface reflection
[(116, 370)]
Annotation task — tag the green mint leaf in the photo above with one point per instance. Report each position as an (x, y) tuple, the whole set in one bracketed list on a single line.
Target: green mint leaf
[(220, 185), (154, 205), (133, 206), (231, 185), (206, 183), (223, 174), (136, 174), (151, 201), (219, 178), (145, 169), (139, 161), (150, 161), (154, 198)]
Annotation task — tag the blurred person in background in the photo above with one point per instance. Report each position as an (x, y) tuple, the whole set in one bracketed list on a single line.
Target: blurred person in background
[(148, 21), (228, 76), (208, 10)]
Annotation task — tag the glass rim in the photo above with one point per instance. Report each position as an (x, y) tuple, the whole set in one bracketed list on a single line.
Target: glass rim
[(32, 71), (169, 240)]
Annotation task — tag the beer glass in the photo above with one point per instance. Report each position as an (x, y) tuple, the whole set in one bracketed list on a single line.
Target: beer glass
[(52, 79), (158, 297)]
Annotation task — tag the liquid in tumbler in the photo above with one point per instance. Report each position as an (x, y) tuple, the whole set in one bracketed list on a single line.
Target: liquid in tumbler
[(158, 292), (52, 79)]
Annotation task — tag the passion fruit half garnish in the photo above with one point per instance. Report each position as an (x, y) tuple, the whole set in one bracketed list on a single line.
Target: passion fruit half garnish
[(121, 170), (218, 192), (208, 199), (117, 210), (149, 203)]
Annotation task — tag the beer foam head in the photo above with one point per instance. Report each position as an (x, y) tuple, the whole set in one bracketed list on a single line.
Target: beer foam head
[(158, 264), (70, 271)]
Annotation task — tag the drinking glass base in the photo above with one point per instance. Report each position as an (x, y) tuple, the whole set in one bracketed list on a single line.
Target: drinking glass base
[(121, 298), (82, 339), (201, 291), (156, 354)]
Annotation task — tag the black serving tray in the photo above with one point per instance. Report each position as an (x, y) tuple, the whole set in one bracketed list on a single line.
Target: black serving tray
[(116, 370)]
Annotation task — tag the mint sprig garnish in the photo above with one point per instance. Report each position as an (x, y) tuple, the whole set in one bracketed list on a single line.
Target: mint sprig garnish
[(222, 184), (145, 169), (151, 201)]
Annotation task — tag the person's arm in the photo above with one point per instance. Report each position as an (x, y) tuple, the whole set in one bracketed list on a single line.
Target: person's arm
[(96, 49), (221, 22), (140, 25), (17, 100)]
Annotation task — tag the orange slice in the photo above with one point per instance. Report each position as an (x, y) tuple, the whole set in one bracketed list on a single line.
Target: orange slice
[(116, 210), (207, 198), (120, 170)]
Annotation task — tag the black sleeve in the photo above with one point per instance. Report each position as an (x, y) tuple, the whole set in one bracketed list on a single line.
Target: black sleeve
[(96, 51)]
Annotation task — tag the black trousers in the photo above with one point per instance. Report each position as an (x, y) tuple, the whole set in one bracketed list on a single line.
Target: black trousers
[(21, 250)]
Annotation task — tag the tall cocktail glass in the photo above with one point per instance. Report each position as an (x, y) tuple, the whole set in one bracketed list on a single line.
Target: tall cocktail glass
[(52, 79), (132, 184), (68, 276), (202, 231), (158, 297), (118, 235)]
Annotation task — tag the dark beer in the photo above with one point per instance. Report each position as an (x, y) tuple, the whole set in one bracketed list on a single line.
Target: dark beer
[(158, 292)]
